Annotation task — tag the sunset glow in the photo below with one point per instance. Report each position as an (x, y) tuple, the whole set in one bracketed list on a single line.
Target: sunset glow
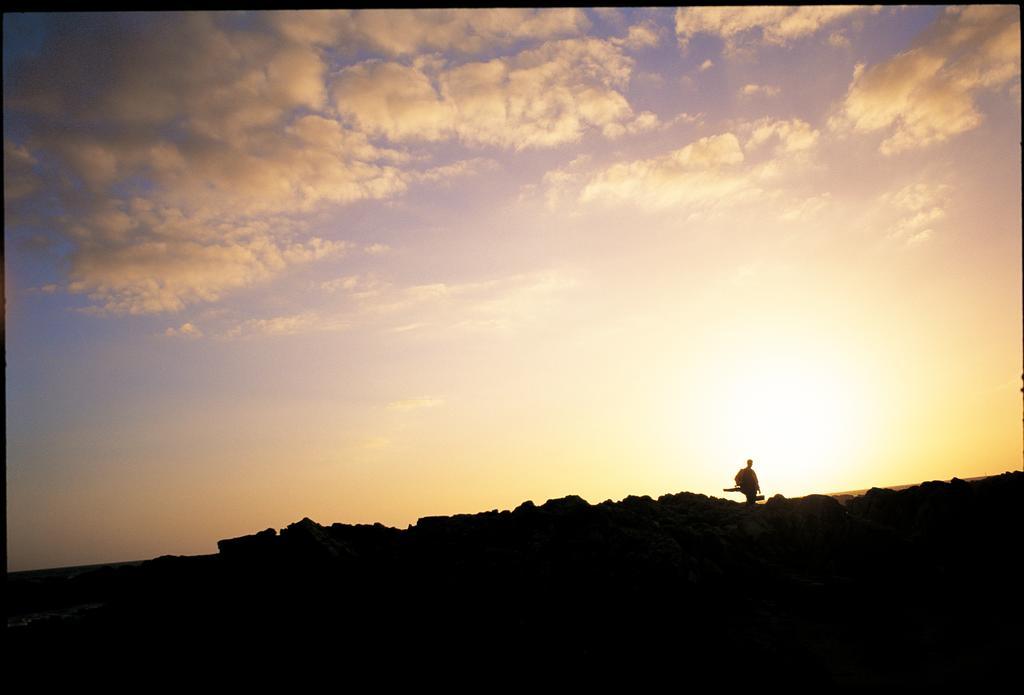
[(371, 266)]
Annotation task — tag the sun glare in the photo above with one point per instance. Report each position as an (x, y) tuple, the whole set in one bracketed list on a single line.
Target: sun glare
[(796, 415)]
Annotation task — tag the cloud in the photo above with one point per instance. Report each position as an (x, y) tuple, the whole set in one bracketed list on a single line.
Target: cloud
[(709, 173), (917, 208), (20, 178), (611, 15), (288, 324), (788, 135), (806, 209), (689, 118), (48, 288), (416, 403), (926, 95), (507, 304), (407, 32), (642, 123), (541, 97), (749, 90), (211, 77), (563, 183), (500, 304), (395, 100), (186, 330), (177, 151), (706, 65), (466, 167), (347, 282), (838, 39), (639, 36), (154, 271), (699, 173), (919, 238), (770, 25)]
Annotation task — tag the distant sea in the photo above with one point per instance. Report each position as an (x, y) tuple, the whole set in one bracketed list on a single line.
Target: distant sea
[(68, 572), (857, 493)]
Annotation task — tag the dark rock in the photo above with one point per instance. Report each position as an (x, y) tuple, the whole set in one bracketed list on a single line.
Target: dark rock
[(569, 503), (308, 541), (253, 546), (892, 589), (526, 506)]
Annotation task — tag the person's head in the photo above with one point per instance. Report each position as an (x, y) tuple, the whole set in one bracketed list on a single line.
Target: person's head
[(750, 463)]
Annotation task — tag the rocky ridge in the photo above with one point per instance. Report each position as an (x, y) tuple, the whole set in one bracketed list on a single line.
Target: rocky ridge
[(911, 587)]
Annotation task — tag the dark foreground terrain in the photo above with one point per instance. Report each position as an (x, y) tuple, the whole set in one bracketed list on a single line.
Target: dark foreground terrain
[(920, 587)]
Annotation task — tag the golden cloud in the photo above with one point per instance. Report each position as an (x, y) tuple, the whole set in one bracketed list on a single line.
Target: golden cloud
[(926, 95), (180, 150), (772, 25), (289, 324), (154, 274), (407, 32), (919, 208), (709, 173), (540, 97), (749, 90)]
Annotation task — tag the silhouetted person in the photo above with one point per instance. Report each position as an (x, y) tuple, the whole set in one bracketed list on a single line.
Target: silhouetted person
[(746, 481)]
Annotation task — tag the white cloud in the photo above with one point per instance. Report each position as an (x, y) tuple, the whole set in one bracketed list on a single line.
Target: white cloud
[(706, 65), (925, 95)]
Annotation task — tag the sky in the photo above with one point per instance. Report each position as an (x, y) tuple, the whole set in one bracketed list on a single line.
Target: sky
[(370, 266)]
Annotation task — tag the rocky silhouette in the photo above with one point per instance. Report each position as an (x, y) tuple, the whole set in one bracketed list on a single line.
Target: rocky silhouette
[(918, 587)]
